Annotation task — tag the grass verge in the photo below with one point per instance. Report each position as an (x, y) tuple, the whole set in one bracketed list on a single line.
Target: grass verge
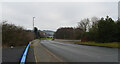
[(112, 44), (44, 38)]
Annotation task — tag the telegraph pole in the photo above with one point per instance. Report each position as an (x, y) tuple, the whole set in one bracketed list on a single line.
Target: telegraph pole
[(33, 22)]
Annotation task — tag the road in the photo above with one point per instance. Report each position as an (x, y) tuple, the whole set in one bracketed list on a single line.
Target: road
[(81, 53)]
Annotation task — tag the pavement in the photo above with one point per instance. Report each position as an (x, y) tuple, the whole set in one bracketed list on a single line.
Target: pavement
[(81, 53), (30, 56)]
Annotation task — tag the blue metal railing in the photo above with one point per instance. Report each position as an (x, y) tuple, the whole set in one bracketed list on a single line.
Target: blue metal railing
[(22, 61)]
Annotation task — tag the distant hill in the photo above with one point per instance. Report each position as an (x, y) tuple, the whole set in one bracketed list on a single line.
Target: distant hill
[(49, 32)]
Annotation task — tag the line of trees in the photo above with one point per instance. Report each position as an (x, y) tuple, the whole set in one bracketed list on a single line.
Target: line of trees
[(94, 29), (68, 33), (15, 35), (37, 34)]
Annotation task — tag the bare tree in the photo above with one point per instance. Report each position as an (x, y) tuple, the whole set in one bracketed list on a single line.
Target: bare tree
[(83, 24), (94, 21)]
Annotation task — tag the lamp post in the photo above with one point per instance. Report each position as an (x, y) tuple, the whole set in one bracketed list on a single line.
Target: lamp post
[(33, 22)]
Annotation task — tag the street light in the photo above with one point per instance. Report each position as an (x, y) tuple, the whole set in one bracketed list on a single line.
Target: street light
[(33, 22)]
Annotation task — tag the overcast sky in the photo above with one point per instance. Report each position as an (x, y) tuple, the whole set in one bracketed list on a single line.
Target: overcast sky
[(52, 15)]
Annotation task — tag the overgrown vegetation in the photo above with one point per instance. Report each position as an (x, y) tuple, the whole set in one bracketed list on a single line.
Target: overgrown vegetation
[(102, 30), (44, 38), (15, 35), (106, 30)]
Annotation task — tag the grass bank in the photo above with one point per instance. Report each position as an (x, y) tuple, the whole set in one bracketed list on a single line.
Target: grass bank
[(112, 44), (44, 38)]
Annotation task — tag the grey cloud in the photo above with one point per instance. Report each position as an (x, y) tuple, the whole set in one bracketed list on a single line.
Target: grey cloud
[(51, 15)]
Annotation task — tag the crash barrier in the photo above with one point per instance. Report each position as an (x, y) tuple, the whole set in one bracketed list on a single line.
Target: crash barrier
[(22, 61)]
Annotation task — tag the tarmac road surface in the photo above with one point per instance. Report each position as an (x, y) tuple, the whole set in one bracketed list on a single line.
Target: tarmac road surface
[(81, 53)]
